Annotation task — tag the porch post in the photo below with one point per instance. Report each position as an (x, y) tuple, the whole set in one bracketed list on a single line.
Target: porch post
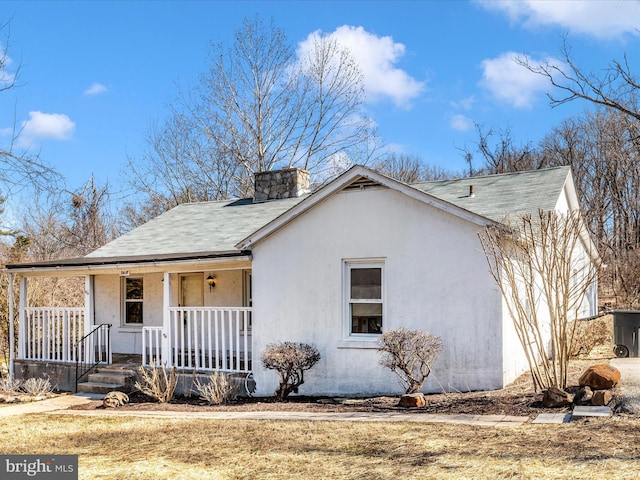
[(22, 320), (89, 352), (12, 333), (88, 304), (166, 321)]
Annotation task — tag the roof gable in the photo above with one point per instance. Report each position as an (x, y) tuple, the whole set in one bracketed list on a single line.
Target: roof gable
[(358, 177)]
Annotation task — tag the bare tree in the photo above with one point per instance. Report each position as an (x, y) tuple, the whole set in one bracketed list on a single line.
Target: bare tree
[(410, 169), (603, 150), (615, 87), (410, 355), (18, 168), (544, 266), (501, 155), (259, 105)]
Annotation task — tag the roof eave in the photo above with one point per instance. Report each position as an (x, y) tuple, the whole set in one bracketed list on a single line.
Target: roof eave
[(109, 263)]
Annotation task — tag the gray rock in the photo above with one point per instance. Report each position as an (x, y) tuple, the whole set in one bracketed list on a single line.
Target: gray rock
[(555, 397), (115, 399), (583, 396)]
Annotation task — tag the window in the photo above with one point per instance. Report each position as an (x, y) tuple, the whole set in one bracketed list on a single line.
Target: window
[(364, 297), (133, 296)]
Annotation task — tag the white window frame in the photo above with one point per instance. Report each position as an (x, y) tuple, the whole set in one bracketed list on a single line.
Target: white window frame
[(360, 339), (125, 301)]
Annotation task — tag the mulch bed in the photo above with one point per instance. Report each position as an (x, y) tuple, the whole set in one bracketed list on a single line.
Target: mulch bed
[(516, 399)]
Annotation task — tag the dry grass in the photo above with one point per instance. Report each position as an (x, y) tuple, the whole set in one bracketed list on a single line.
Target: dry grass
[(142, 449)]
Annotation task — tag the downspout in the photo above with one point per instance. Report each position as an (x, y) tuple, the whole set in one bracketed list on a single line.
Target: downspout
[(12, 339)]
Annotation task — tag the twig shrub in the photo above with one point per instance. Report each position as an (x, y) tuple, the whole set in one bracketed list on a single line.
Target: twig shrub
[(217, 389), (409, 354), (37, 386), (10, 385), (290, 360), (157, 383)]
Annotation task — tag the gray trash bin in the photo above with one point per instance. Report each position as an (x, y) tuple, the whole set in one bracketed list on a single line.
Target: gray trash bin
[(626, 326)]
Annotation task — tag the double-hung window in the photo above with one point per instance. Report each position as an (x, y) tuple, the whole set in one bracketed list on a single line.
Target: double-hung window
[(133, 294), (364, 295)]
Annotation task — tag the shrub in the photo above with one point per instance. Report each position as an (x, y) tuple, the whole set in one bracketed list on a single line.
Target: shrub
[(11, 386), (218, 389), (37, 386), (409, 354), (156, 385), (290, 360)]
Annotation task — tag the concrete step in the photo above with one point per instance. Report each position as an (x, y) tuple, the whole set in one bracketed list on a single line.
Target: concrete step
[(98, 387), (117, 370), (109, 377)]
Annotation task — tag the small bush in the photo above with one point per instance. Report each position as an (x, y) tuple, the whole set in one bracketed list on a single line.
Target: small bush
[(218, 389), (290, 360), (37, 386), (159, 386), (10, 386), (409, 354)]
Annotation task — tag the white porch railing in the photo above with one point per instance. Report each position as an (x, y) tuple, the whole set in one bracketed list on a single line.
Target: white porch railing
[(51, 333), (202, 338)]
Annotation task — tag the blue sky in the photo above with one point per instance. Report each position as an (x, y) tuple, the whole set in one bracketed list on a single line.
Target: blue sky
[(95, 75)]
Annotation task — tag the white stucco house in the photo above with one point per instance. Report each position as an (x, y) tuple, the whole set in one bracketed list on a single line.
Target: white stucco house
[(207, 286)]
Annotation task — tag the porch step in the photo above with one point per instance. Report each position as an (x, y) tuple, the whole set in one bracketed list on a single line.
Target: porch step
[(107, 379), (97, 387)]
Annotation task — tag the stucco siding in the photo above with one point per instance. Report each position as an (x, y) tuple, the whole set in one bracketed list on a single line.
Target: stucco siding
[(435, 279)]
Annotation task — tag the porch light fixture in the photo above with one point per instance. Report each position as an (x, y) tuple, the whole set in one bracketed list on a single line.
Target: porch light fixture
[(211, 281)]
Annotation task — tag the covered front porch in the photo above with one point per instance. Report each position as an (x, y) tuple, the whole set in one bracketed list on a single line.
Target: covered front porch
[(197, 319)]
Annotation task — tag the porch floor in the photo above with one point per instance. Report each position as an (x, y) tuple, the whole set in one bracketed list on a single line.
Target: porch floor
[(126, 359)]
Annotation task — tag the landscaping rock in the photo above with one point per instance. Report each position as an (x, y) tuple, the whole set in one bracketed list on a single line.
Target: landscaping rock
[(555, 397), (412, 400), (115, 399), (583, 396), (600, 377), (601, 397)]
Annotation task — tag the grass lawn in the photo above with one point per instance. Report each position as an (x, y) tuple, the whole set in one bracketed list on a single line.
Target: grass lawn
[(136, 448)]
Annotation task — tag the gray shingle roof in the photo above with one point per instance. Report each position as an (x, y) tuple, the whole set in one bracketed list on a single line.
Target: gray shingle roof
[(219, 226), (197, 227), (499, 196)]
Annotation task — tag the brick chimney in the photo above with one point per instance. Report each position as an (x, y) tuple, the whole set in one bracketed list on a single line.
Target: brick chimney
[(286, 183)]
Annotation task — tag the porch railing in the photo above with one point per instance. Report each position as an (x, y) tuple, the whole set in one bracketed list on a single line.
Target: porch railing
[(51, 333), (92, 350), (202, 338)]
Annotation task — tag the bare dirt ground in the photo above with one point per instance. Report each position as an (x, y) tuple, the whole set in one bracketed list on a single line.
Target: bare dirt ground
[(516, 399)]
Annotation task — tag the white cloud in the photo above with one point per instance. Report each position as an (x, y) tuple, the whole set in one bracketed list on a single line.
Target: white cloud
[(377, 58), (600, 18), (42, 126), (461, 123), (510, 82), (465, 103), (96, 89)]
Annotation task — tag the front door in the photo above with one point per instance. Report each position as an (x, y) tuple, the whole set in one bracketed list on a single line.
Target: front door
[(191, 290)]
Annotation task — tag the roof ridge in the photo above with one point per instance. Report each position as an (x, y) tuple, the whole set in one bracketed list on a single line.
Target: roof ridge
[(492, 175)]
